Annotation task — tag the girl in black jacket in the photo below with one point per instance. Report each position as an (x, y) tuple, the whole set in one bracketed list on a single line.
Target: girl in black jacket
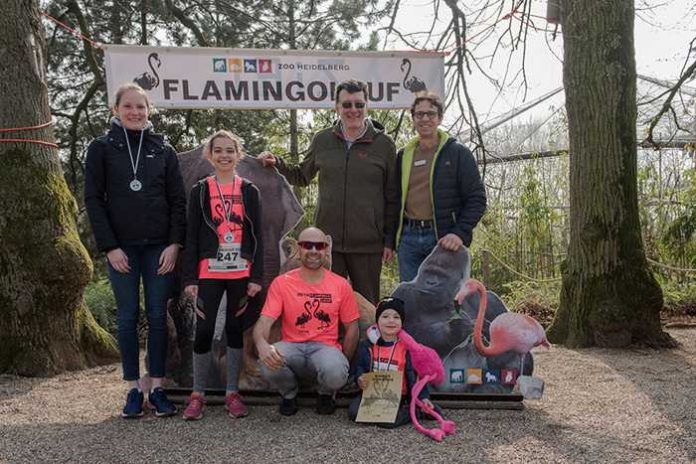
[(136, 203), (224, 253)]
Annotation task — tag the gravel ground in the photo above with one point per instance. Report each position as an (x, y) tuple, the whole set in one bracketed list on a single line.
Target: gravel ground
[(600, 405)]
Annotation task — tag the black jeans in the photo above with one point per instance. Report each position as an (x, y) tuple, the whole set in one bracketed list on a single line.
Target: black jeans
[(210, 291)]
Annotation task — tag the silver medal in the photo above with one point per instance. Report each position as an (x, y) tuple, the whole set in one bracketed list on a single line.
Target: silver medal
[(229, 237), (135, 184)]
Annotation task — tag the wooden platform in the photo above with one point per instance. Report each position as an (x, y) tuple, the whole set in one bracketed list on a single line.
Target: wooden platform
[(305, 398)]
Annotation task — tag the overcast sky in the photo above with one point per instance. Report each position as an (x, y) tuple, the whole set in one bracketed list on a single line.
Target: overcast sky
[(662, 36)]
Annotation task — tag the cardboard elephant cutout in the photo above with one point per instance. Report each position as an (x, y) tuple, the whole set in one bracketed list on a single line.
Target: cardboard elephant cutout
[(281, 211)]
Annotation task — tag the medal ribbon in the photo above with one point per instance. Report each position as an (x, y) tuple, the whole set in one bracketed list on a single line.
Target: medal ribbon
[(228, 212), (134, 165), (379, 356)]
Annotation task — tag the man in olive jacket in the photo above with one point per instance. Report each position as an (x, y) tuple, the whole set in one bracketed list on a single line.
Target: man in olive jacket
[(358, 204)]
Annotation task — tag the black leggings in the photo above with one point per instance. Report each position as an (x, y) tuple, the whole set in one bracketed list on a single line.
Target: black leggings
[(210, 291)]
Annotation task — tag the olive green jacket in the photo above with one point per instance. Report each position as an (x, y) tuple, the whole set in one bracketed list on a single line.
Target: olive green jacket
[(358, 203)]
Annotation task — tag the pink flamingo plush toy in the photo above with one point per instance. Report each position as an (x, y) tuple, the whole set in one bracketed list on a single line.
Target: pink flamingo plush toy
[(428, 366)]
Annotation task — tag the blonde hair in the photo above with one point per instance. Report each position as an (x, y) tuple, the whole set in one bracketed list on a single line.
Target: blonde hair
[(223, 133), (134, 87)]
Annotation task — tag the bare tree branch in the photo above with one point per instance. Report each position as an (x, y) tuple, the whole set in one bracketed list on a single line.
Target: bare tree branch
[(687, 74), (188, 22)]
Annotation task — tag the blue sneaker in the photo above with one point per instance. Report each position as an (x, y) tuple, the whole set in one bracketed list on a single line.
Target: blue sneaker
[(161, 404), (134, 405)]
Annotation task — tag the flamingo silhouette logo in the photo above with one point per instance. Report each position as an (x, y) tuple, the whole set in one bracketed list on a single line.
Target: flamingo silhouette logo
[(413, 84), (321, 315), (306, 316), (146, 80)]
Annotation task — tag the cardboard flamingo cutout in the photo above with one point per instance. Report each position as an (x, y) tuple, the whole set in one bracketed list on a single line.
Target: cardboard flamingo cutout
[(508, 332)]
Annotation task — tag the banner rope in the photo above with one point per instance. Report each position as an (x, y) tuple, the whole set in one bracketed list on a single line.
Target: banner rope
[(71, 30), (38, 142), (18, 129)]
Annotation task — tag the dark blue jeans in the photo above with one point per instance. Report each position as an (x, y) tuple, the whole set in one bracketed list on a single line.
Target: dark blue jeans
[(143, 261), (415, 245)]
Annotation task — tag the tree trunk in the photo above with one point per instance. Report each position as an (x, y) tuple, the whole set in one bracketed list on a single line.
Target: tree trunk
[(45, 326), (609, 296)]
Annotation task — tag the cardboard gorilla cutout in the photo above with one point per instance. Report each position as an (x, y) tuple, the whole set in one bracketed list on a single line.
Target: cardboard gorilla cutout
[(434, 319)]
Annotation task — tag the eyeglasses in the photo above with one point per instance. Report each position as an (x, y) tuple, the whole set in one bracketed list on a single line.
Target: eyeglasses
[(348, 105), (423, 114), (319, 246)]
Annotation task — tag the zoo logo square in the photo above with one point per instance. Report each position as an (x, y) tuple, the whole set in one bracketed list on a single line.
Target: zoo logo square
[(219, 65), (456, 376), (265, 66), (473, 376), (235, 65), (250, 66), (491, 376), (509, 376)]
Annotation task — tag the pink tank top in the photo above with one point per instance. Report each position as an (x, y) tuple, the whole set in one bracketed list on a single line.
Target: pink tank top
[(228, 216)]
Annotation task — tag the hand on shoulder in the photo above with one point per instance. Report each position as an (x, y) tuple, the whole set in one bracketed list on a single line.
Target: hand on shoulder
[(267, 158)]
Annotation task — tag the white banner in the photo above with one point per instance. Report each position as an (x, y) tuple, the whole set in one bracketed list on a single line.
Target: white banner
[(178, 77)]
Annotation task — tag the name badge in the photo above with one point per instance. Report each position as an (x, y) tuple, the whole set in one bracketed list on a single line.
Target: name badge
[(228, 259), (420, 163)]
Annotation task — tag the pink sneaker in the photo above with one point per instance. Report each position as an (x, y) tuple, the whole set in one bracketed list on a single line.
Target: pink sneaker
[(234, 405), (194, 409)]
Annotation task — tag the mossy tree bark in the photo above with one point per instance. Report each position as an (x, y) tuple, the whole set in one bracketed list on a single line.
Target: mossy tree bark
[(609, 296), (45, 327)]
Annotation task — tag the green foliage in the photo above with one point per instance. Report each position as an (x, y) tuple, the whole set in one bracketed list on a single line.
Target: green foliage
[(680, 299), (680, 235), (100, 300), (537, 299), (519, 245), (389, 279)]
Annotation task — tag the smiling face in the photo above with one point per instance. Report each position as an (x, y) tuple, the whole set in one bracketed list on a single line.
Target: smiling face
[(132, 109), (351, 116), (312, 258), (389, 324), (426, 118), (223, 154)]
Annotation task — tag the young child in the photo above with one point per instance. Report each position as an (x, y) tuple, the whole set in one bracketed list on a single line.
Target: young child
[(224, 253), (387, 354)]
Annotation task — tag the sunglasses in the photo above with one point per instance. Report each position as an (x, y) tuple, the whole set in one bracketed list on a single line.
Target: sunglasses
[(349, 105), (319, 246)]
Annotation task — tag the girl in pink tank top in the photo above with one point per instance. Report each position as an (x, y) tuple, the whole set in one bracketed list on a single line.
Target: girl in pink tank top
[(223, 255)]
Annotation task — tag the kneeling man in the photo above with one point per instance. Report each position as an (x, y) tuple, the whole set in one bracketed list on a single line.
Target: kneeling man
[(311, 301)]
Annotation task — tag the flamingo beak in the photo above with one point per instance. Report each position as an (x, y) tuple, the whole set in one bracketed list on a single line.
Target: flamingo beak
[(465, 290)]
